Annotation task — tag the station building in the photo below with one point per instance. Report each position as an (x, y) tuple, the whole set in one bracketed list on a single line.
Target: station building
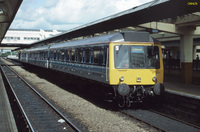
[(27, 36)]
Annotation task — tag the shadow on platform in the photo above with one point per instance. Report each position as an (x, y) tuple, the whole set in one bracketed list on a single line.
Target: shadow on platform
[(173, 82)]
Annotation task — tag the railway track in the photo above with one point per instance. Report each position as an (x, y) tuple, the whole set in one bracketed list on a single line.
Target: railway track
[(159, 121), (173, 118), (131, 115), (39, 113)]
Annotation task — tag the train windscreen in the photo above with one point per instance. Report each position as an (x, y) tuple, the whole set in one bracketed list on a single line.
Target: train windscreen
[(136, 57)]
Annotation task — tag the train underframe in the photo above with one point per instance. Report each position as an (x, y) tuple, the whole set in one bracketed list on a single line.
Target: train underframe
[(125, 95)]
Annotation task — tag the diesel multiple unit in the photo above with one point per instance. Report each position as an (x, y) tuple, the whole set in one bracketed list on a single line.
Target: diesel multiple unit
[(129, 62)]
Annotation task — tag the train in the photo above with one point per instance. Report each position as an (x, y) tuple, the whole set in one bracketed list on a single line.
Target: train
[(130, 63)]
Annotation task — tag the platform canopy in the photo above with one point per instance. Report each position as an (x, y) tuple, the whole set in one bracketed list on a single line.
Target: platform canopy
[(149, 16), (8, 10)]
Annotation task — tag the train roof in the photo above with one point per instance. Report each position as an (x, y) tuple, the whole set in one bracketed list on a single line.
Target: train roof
[(116, 37), (37, 49)]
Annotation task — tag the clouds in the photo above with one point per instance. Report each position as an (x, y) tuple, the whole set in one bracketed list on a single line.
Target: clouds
[(67, 14)]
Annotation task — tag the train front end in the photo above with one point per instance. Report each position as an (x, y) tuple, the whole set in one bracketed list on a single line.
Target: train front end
[(135, 71)]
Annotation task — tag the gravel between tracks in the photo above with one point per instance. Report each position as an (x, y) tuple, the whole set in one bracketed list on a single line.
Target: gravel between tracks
[(97, 119)]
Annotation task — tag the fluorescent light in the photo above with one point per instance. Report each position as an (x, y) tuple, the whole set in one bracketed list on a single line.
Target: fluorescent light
[(1, 11)]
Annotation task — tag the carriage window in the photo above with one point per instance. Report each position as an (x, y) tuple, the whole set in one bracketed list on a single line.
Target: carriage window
[(41, 55), (73, 59), (86, 56), (54, 55), (38, 55), (70, 56), (62, 55), (66, 55), (51, 57), (98, 56), (79, 54)]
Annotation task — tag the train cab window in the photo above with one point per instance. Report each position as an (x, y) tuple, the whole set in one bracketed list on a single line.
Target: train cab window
[(121, 56), (137, 57), (152, 57)]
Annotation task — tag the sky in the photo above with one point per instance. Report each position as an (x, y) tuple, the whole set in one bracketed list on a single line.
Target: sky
[(67, 14)]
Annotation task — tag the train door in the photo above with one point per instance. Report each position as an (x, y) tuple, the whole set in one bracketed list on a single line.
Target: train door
[(19, 55), (107, 63)]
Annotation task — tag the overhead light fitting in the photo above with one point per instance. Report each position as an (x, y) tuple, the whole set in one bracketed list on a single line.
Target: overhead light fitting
[(1, 11)]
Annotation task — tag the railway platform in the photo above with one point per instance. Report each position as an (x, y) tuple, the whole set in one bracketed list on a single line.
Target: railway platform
[(174, 84), (7, 121)]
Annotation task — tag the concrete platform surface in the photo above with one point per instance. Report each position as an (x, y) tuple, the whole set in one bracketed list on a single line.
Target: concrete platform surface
[(7, 121), (173, 83)]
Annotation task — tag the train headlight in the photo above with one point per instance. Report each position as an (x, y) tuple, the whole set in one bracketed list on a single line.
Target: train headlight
[(122, 79), (138, 79), (154, 79)]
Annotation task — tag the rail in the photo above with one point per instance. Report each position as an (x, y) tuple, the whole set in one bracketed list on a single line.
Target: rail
[(43, 98)]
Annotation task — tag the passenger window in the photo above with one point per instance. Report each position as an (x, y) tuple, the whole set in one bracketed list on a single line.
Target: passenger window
[(86, 56), (73, 55), (98, 56), (79, 53), (62, 55), (44, 55), (40, 55), (66, 55), (51, 57), (57, 56), (54, 55)]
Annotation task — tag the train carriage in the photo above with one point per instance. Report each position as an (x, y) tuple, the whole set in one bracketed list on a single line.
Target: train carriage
[(130, 62), (36, 56)]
